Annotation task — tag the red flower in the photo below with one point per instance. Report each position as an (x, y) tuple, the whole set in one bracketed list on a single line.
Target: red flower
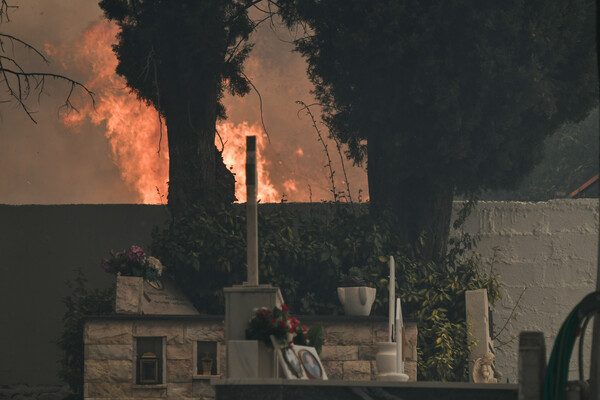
[(282, 324), (285, 308), (303, 327)]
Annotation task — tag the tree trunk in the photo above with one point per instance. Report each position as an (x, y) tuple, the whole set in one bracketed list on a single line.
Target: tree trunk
[(419, 205), (196, 170)]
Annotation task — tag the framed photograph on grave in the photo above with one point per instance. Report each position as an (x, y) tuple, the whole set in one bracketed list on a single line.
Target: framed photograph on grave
[(288, 360), (311, 363)]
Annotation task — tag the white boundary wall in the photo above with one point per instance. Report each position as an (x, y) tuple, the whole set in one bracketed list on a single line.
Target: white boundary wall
[(549, 248)]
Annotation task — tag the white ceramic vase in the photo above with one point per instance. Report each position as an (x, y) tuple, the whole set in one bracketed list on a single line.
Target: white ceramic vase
[(385, 360), (357, 300)]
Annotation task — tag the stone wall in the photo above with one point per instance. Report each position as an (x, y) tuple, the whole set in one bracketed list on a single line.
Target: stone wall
[(547, 256), (350, 347), (549, 247), (109, 370)]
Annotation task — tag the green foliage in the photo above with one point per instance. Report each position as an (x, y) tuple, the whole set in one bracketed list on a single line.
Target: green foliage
[(304, 257), (464, 91), (445, 97), (570, 159), (354, 277), (316, 338), (170, 49), (80, 303)]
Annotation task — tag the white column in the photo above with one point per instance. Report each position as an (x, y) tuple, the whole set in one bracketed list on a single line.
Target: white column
[(251, 211), (392, 299)]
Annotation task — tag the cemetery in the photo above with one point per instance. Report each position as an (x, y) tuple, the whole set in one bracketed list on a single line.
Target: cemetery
[(155, 344), (415, 291)]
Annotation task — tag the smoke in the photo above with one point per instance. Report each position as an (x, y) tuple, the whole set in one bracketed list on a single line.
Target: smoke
[(109, 155)]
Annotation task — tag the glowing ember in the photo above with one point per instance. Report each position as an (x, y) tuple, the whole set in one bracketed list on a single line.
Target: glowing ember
[(133, 129)]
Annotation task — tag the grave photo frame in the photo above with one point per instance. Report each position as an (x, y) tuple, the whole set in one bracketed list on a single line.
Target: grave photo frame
[(311, 363), (288, 360)]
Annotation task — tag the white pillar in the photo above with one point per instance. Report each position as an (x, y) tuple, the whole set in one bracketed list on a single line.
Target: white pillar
[(251, 212)]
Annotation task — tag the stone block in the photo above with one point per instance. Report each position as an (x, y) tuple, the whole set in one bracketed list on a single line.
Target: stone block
[(347, 333), (380, 333), (339, 353), (179, 390), (179, 370), (108, 352), (108, 371), (110, 390), (209, 332), (334, 369), (171, 329), (357, 370), (520, 273), (530, 247), (222, 364), (373, 370), (202, 388), (367, 352), (142, 392), (180, 351), (410, 369), (128, 295), (410, 341), (108, 332), (580, 273)]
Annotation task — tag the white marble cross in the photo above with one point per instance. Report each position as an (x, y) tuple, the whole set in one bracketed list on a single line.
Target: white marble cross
[(251, 211)]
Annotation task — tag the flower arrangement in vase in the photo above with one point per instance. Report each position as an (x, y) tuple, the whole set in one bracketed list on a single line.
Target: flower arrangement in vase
[(356, 297), (133, 262), (277, 323)]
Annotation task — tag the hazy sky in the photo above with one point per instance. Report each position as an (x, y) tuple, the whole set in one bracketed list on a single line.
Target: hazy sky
[(50, 163)]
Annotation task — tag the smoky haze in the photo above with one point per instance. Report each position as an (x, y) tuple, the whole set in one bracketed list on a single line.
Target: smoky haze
[(51, 163)]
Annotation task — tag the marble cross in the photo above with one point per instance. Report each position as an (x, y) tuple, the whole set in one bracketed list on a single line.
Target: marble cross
[(251, 211)]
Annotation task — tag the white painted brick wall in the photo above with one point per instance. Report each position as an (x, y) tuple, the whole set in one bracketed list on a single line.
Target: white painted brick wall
[(549, 248)]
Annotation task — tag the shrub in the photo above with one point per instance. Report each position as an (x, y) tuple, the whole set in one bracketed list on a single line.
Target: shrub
[(80, 303), (306, 256)]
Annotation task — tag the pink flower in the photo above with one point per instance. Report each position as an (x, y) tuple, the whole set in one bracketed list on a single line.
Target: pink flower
[(135, 253), (105, 265)]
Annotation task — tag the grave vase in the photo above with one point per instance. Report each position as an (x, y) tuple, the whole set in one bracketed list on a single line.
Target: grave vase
[(357, 300), (385, 358)]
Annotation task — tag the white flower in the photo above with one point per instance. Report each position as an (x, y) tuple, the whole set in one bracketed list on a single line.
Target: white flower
[(155, 264)]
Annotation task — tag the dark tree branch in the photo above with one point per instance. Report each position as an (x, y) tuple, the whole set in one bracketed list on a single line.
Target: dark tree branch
[(260, 102), (20, 83), (24, 80)]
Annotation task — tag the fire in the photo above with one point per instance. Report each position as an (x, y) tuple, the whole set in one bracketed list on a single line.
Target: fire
[(234, 156), (133, 129)]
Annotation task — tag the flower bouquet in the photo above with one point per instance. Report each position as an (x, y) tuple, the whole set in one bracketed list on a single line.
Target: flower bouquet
[(133, 262), (277, 322)]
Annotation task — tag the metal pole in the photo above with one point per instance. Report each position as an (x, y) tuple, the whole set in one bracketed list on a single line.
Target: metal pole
[(251, 211)]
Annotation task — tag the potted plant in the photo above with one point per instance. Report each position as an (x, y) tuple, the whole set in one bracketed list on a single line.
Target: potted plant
[(356, 297)]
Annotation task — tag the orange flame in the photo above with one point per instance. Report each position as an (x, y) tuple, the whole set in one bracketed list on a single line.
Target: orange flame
[(133, 128)]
